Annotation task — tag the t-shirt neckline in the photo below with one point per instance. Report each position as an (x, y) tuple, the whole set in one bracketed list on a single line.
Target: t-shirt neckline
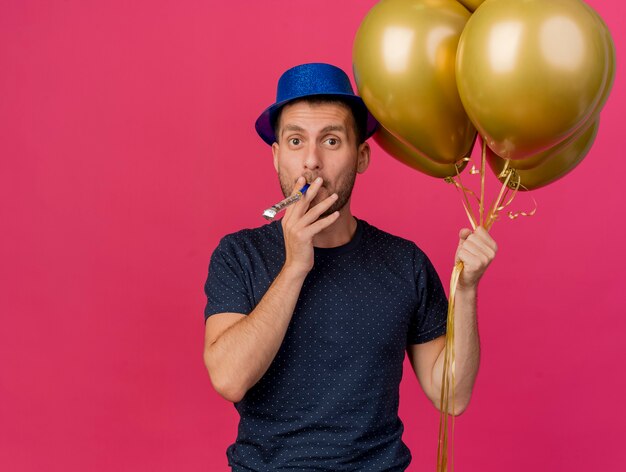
[(337, 250)]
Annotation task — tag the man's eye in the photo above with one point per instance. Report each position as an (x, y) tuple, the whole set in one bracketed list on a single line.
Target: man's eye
[(294, 141), (332, 141)]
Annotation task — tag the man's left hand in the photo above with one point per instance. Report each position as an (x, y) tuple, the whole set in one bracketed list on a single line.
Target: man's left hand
[(476, 250)]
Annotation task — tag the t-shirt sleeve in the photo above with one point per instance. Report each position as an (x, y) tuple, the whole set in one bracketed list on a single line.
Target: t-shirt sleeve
[(225, 288), (430, 317)]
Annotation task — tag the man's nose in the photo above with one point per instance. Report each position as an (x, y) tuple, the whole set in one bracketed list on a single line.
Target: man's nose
[(312, 160)]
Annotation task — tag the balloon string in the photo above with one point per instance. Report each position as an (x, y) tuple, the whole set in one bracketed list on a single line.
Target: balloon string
[(458, 164), (483, 162), (464, 192), (512, 181), (522, 213), (495, 208), (467, 208), (448, 381)]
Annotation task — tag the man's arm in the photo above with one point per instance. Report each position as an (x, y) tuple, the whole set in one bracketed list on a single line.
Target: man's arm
[(239, 349), (476, 250), (427, 359)]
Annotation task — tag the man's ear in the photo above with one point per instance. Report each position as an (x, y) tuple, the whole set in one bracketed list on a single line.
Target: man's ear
[(364, 152), (275, 154)]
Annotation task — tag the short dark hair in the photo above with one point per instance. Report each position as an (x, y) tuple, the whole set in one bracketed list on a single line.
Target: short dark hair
[(359, 114)]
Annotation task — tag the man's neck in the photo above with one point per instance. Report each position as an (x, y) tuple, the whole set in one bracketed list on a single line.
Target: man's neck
[(339, 233)]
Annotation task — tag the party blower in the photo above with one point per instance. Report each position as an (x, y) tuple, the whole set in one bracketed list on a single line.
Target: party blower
[(272, 211)]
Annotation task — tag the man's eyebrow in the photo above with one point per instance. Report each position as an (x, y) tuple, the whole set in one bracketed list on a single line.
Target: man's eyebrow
[(326, 129), (292, 128), (333, 128)]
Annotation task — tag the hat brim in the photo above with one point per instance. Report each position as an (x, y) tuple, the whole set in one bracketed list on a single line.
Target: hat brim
[(264, 122)]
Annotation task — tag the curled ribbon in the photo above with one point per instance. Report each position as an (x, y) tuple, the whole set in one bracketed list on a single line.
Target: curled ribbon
[(464, 191)]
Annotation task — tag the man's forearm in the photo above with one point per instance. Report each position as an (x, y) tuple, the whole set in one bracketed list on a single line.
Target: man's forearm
[(467, 351), (243, 353)]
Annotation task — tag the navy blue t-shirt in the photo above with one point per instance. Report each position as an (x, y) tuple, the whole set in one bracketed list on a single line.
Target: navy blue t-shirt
[(329, 400)]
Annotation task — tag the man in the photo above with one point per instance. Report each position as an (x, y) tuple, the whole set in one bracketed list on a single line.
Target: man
[(308, 318)]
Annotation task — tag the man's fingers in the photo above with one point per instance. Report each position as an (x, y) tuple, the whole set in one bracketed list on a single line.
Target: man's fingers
[(474, 253), (482, 234), (315, 212), (477, 250), (478, 247), (299, 184), (464, 233), (322, 223), (301, 207), (465, 251), (313, 189)]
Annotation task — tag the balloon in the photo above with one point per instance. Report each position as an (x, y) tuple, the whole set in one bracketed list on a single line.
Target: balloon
[(413, 158), (558, 162), (404, 59), (530, 73), (530, 161), (611, 61), (471, 5), (536, 159)]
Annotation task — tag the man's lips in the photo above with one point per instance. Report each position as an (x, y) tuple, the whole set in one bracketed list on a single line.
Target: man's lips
[(311, 179)]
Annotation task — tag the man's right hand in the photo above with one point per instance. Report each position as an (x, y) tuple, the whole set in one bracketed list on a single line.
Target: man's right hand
[(301, 224)]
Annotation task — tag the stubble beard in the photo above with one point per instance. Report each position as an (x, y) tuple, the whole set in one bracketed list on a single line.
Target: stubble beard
[(343, 189)]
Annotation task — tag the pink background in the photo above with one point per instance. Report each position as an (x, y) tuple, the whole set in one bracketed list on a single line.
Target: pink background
[(127, 151)]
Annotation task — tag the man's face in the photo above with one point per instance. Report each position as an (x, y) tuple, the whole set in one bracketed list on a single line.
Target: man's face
[(318, 140)]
